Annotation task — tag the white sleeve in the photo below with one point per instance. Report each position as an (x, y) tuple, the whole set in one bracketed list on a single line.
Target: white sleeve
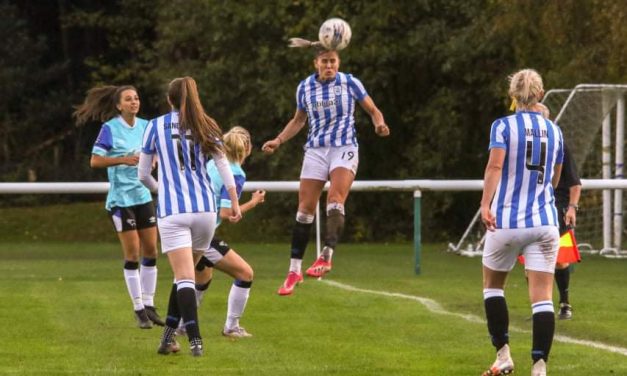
[(144, 167), (224, 169)]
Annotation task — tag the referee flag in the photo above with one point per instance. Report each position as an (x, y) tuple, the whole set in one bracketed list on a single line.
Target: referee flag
[(568, 252)]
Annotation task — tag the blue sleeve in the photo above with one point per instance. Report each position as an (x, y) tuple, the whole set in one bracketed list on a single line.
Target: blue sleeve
[(225, 199), (356, 88), (300, 96), (104, 142), (498, 135), (148, 144)]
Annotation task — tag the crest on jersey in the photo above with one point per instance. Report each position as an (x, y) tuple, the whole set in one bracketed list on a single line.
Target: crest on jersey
[(337, 90)]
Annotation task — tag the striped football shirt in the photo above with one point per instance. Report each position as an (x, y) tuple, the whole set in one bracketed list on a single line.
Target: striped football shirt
[(184, 185), (330, 108), (524, 197)]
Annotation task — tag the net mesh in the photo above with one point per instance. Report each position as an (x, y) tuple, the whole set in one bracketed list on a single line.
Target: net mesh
[(580, 112)]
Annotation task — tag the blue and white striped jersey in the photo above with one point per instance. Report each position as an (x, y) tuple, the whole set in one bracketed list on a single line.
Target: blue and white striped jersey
[(184, 185), (330, 107), (118, 139), (534, 145), (223, 200)]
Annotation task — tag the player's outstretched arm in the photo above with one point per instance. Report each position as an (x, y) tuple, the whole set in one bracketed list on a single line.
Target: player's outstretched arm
[(291, 129), (380, 128)]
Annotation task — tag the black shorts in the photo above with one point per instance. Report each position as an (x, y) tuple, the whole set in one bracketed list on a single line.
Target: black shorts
[(217, 249), (220, 246), (137, 217)]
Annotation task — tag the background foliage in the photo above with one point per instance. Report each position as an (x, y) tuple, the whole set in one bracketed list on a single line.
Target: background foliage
[(437, 70)]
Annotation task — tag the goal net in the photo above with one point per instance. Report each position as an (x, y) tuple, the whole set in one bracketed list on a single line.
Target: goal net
[(591, 117)]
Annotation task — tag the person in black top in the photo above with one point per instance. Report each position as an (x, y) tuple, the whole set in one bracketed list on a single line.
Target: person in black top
[(567, 196), (567, 203)]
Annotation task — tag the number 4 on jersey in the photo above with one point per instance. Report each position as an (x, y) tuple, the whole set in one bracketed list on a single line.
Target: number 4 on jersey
[(536, 167)]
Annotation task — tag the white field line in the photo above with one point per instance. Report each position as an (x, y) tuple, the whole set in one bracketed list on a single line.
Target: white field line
[(435, 307)]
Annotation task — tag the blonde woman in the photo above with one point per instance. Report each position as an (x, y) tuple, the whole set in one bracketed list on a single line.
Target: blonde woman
[(183, 141), (518, 210), (220, 255)]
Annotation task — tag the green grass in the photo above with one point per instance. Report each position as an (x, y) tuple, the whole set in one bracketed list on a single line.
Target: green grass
[(66, 311)]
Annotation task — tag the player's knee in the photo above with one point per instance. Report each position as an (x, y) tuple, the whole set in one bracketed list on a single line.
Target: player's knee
[(246, 274), (204, 275), (561, 265), (150, 252)]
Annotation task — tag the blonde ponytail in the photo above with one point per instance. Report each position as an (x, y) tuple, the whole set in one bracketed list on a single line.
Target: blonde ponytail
[(237, 144)]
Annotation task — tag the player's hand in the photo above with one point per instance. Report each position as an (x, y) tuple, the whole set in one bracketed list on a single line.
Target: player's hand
[(488, 219), (131, 160), (236, 214), (259, 196), (382, 130), (570, 218), (270, 146)]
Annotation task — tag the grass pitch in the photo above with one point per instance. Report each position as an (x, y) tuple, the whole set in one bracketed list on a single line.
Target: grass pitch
[(65, 310)]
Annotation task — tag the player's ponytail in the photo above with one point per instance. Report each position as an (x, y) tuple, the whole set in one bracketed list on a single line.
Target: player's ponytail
[(526, 88), (301, 43), (183, 95), (100, 104), (237, 144)]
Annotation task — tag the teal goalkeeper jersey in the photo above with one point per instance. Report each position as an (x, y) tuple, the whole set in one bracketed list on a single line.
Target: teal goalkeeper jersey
[(118, 139)]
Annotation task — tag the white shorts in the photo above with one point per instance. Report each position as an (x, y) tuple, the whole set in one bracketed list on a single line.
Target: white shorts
[(319, 162), (539, 245), (187, 230)]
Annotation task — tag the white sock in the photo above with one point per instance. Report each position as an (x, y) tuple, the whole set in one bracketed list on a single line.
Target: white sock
[(148, 276), (131, 276), (295, 265), (327, 253), (199, 295), (237, 303)]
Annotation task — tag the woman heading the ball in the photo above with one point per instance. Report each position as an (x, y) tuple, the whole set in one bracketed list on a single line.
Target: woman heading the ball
[(129, 203), (327, 99), (184, 140)]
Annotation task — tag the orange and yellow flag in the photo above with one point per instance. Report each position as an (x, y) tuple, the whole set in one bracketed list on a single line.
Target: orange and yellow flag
[(568, 252)]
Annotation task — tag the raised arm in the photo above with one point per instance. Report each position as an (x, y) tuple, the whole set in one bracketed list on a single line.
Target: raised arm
[(380, 128), (290, 130)]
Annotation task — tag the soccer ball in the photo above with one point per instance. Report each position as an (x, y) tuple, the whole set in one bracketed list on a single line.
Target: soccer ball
[(335, 34)]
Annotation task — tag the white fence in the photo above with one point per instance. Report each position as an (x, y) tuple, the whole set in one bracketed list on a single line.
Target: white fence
[(416, 186)]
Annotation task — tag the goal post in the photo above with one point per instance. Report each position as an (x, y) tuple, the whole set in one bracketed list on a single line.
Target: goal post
[(585, 114)]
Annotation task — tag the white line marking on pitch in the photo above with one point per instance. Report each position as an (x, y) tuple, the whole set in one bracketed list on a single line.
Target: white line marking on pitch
[(435, 307)]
